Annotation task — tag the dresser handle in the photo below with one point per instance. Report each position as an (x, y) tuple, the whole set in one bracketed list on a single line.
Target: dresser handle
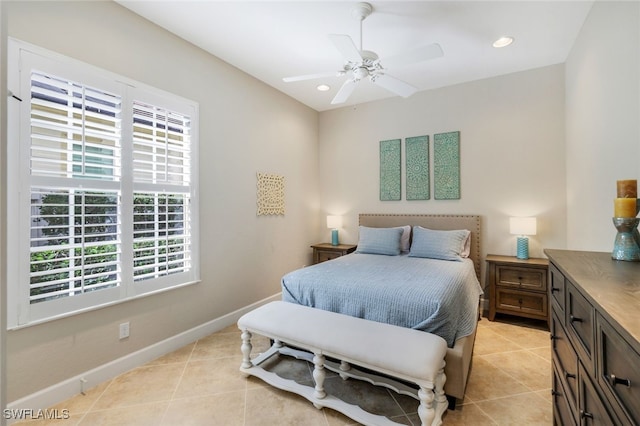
[(613, 380), (553, 337), (569, 375), (555, 393), (574, 319), (554, 289), (584, 414)]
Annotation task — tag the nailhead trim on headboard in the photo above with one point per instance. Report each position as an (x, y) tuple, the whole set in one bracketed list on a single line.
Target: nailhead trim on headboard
[(431, 221)]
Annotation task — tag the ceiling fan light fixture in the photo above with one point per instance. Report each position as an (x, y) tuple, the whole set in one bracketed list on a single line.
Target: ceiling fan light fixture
[(503, 42), (323, 87)]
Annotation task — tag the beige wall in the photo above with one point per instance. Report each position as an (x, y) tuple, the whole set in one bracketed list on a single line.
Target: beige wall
[(512, 154), (603, 120), (245, 127)]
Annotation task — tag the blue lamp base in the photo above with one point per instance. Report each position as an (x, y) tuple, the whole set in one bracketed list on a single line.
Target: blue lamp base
[(334, 237), (522, 251)]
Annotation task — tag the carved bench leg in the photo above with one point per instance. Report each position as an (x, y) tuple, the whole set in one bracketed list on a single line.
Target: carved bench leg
[(441, 398), (425, 410), (318, 376), (344, 366), (246, 350)]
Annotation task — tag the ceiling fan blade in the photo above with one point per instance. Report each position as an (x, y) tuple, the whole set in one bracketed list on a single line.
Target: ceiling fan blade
[(394, 85), (344, 92), (346, 47), (424, 53), (311, 76)]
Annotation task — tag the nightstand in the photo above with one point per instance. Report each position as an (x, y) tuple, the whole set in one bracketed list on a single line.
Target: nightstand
[(518, 287), (326, 251)]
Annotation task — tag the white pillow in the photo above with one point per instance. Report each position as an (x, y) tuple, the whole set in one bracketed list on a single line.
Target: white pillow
[(445, 245)]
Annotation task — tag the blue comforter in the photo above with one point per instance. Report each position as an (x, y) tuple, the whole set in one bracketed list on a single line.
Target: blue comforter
[(437, 296)]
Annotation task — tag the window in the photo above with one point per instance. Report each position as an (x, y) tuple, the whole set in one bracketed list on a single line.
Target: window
[(106, 202)]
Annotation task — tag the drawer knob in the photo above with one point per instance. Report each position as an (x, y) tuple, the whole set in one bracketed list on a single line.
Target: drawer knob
[(585, 414), (574, 319), (613, 380)]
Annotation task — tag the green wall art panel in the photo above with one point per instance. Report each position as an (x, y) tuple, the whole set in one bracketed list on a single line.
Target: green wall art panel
[(417, 168), (446, 166), (390, 189)]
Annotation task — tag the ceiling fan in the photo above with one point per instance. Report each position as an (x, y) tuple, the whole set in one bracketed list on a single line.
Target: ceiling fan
[(360, 64)]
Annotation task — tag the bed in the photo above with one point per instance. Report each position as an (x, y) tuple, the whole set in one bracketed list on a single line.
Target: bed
[(408, 288)]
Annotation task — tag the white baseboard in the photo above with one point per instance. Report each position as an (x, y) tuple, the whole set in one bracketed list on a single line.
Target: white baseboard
[(64, 390)]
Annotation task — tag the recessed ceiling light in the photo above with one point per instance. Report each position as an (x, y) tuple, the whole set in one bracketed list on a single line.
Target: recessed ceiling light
[(323, 87), (503, 42)]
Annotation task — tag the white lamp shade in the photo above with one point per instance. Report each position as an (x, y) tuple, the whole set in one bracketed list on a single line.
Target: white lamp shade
[(334, 222), (522, 225)]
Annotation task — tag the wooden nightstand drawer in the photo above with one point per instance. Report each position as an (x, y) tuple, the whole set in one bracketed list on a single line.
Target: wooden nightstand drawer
[(324, 255), (325, 251), (521, 302), (523, 278), (518, 287)]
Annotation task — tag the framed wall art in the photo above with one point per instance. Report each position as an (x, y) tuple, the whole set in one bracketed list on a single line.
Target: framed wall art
[(390, 174), (446, 166), (417, 168)]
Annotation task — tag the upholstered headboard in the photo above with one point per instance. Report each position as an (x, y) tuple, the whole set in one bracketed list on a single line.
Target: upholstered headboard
[(443, 222)]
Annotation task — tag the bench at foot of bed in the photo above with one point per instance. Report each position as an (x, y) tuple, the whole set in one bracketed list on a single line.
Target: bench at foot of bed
[(406, 354)]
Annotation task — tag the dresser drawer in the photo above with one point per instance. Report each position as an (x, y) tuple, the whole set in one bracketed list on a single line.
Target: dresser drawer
[(580, 322), (593, 411), (524, 278), (521, 302), (566, 360), (618, 371), (557, 288), (563, 414)]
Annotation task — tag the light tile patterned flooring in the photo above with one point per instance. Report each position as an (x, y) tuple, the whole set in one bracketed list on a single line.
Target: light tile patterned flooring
[(200, 384)]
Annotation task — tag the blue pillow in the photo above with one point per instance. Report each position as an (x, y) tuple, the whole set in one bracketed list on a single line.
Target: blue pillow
[(379, 241), (445, 245)]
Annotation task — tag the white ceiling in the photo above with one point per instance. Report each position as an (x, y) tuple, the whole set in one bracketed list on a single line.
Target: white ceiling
[(273, 39)]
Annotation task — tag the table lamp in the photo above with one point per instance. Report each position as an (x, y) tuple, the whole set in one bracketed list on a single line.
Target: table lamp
[(522, 226), (334, 222)]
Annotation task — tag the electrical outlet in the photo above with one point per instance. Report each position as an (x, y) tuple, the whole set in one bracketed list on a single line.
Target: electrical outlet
[(124, 330)]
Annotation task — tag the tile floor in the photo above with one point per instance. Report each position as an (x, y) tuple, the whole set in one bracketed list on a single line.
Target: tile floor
[(199, 384)]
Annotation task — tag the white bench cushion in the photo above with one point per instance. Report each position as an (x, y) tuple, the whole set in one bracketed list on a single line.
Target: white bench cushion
[(403, 352)]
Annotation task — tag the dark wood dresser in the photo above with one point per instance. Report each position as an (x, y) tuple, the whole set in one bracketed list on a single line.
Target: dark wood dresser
[(595, 332)]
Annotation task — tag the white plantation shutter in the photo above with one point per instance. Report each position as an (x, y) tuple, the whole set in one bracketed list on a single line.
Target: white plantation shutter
[(75, 138), (161, 146), (75, 130), (109, 189), (162, 163), (75, 246), (161, 235)]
